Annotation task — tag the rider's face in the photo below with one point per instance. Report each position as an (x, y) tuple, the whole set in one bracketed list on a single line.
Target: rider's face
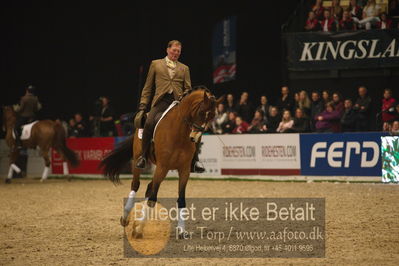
[(174, 52)]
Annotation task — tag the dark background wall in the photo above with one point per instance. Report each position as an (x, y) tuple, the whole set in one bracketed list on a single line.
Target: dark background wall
[(74, 55)]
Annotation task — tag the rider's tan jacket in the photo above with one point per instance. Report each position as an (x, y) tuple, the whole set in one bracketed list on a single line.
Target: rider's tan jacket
[(159, 82)]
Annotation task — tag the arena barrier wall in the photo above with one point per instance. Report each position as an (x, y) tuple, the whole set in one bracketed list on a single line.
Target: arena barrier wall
[(246, 155)]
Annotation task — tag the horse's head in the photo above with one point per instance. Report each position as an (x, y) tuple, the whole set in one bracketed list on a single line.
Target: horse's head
[(202, 106)]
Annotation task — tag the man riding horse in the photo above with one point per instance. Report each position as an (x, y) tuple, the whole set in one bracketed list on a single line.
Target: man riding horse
[(28, 107), (167, 80)]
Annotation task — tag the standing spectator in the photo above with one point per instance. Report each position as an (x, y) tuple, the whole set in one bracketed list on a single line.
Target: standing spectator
[(285, 101), (241, 126), (80, 126), (338, 103), (328, 24), (348, 119), (301, 122), (327, 120), (220, 118), (336, 10), (72, 130), (388, 107), (355, 10), (370, 15), (230, 124), (107, 127), (258, 123), (304, 103), (316, 108), (273, 120), (312, 23), (264, 107), (318, 9), (346, 23), (230, 107), (385, 22), (244, 108), (286, 122), (362, 106)]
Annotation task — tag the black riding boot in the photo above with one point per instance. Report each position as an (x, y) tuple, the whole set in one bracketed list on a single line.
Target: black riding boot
[(195, 167), (18, 141), (146, 143)]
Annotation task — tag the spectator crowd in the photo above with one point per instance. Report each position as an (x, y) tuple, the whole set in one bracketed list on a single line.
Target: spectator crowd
[(357, 15)]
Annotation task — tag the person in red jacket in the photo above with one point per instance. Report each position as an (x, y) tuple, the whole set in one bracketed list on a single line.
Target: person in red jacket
[(346, 23), (328, 24), (312, 24), (318, 9), (241, 126), (385, 22), (388, 107)]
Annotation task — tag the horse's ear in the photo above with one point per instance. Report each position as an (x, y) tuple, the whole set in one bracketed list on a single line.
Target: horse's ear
[(206, 99), (220, 99)]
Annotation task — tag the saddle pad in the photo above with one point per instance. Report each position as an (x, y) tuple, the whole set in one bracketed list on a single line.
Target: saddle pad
[(163, 115), (26, 130)]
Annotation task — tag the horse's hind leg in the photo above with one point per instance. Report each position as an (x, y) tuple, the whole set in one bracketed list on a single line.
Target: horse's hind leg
[(13, 167), (130, 200), (45, 154)]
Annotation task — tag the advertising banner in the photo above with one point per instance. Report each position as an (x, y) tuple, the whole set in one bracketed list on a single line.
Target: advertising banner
[(342, 50), (350, 154)]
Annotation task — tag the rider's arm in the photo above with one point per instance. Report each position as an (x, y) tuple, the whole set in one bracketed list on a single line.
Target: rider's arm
[(148, 86), (187, 80)]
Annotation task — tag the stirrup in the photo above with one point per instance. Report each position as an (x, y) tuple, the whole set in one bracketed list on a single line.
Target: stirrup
[(196, 168)]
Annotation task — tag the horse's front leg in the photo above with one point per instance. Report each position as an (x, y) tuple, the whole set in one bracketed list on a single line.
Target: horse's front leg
[(184, 174)]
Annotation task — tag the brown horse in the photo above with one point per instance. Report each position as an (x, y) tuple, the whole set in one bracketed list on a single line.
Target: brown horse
[(173, 148), (45, 134)]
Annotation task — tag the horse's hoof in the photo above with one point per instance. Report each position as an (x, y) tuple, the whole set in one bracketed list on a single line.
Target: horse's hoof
[(124, 222), (151, 203), (8, 181), (137, 235)]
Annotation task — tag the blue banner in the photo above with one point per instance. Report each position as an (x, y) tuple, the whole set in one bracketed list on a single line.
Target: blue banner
[(224, 50), (349, 154)]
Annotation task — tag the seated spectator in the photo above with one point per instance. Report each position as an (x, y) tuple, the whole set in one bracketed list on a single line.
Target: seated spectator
[(338, 103), (395, 128), (258, 123), (386, 127), (296, 100), (318, 9), (264, 107), (219, 120), (326, 97), (388, 107), (348, 118), (328, 24), (393, 8), (370, 15), (72, 130), (312, 23), (286, 122), (107, 127), (347, 23), (273, 120), (316, 108), (127, 123), (301, 122), (362, 107), (230, 106), (327, 120), (336, 10), (355, 10), (285, 101), (81, 126), (241, 126), (304, 103), (244, 108), (397, 112), (385, 22), (230, 124), (63, 124)]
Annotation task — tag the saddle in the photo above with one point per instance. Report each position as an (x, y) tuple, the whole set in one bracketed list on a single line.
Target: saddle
[(26, 130)]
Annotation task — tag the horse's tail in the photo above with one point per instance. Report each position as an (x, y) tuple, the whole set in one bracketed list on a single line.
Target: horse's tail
[(117, 159), (61, 147)]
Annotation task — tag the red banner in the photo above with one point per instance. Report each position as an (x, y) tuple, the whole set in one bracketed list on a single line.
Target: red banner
[(90, 152)]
